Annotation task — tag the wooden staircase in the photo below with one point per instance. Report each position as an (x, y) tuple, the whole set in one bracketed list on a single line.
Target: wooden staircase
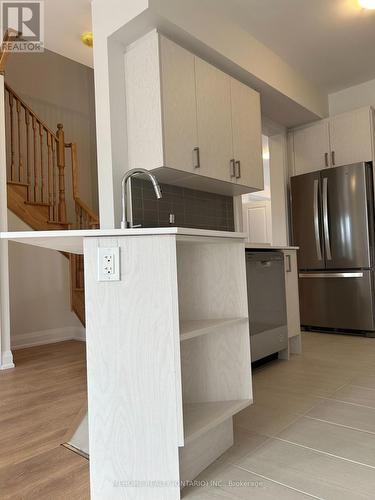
[(36, 177)]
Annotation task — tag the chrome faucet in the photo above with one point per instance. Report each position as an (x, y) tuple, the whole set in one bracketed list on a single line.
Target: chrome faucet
[(126, 194)]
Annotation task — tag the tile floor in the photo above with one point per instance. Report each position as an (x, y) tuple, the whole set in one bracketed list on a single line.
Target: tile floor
[(310, 432)]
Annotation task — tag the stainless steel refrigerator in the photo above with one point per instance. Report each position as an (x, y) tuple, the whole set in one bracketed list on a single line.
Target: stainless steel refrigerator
[(333, 224)]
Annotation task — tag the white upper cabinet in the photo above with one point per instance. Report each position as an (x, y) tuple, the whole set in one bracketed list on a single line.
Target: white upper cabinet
[(351, 137), (214, 121), (191, 123), (247, 135), (311, 147), (178, 105), (339, 140)]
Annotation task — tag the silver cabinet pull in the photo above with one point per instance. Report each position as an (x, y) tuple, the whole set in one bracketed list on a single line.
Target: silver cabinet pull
[(288, 267), (331, 275), (238, 169), (197, 158), (232, 167), (325, 219), (326, 159), (333, 158), (316, 220)]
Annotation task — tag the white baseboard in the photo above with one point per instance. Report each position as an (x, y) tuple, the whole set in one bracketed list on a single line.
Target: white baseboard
[(6, 361), (51, 336)]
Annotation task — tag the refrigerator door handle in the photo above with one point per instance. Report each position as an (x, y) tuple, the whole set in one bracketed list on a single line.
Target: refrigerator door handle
[(332, 275), (316, 220), (325, 219)]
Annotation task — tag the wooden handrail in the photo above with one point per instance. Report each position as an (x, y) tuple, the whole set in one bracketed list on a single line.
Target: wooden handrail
[(29, 110), (10, 35)]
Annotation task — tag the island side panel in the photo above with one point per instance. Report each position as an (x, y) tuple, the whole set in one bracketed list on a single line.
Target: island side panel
[(133, 374)]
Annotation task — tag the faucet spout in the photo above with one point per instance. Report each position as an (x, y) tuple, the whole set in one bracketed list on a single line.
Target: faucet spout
[(125, 223)]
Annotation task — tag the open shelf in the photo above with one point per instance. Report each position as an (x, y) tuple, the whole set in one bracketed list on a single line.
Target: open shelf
[(195, 328), (201, 417)]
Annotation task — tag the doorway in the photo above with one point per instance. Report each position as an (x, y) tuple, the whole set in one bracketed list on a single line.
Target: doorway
[(263, 215), (257, 207)]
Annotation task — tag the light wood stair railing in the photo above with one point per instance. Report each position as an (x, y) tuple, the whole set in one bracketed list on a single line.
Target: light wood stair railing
[(36, 179)]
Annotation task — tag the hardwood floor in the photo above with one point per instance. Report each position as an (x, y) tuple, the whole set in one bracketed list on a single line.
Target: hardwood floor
[(39, 401)]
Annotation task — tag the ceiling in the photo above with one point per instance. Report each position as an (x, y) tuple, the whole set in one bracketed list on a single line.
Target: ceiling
[(330, 42), (65, 20)]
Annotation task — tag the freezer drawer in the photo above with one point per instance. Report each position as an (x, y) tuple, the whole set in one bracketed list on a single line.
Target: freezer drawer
[(342, 300)]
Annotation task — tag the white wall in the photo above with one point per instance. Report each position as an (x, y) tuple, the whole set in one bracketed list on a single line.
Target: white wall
[(352, 98), (39, 294), (279, 191)]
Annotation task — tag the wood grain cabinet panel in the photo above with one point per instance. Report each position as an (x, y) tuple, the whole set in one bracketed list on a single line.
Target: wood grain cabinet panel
[(214, 120), (247, 135), (178, 105), (350, 135), (311, 148)]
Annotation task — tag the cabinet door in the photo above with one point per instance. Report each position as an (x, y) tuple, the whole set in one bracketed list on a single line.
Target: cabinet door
[(351, 137), (179, 111), (311, 148), (247, 135), (214, 121), (292, 298)]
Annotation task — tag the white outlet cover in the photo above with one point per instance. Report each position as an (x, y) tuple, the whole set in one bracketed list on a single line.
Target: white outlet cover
[(109, 264)]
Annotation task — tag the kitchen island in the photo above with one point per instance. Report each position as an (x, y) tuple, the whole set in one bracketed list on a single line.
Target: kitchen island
[(168, 353)]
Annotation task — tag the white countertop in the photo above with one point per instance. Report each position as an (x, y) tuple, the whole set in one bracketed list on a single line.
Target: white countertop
[(265, 246), (72, 241)]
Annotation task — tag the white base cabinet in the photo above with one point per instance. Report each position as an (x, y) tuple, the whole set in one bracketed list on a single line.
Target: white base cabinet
[(292, 301), (189, 122), (168, 361)]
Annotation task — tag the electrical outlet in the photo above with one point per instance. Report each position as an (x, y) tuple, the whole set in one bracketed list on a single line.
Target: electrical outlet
[(109, 264)]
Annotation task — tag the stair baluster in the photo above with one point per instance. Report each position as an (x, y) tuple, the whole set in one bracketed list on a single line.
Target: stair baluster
[(61, 165), (28, 161), (20, 155), (35, 162), (50, 175), (36, 176), (42, 183), (54, 169), (12, 150)]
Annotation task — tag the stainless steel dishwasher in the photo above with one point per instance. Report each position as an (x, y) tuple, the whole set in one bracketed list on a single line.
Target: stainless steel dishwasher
[(267, 303)]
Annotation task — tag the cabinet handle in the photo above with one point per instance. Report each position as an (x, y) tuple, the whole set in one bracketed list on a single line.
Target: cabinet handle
[(232, 167), (238, 169), (288, 267), (326, 159), (197, 161), (333, 157)]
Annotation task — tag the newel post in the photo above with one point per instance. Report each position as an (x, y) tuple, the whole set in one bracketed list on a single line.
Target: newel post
[(61, 166)]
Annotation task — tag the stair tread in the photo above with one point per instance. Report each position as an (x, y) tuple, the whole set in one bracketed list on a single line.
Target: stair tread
[(16, 183)]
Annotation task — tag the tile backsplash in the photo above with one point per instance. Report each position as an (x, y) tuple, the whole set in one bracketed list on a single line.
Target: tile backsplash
[(188, 207)]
